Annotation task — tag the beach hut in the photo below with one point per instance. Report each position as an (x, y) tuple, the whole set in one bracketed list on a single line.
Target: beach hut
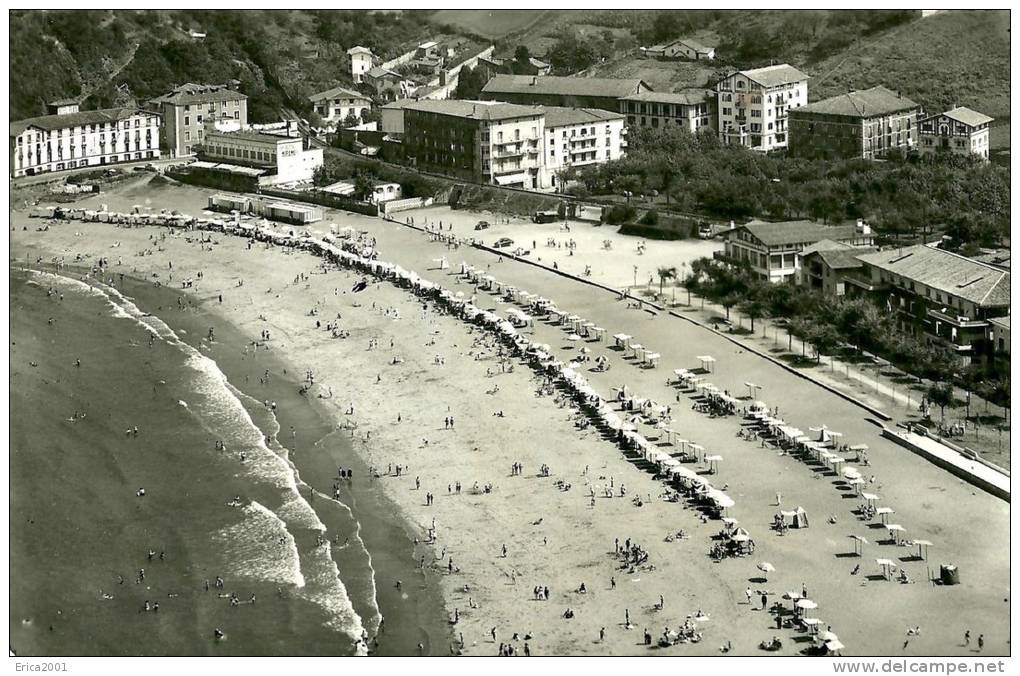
[(622, 340), (797, 518), (598, 333), (652, 359), (707, 363)]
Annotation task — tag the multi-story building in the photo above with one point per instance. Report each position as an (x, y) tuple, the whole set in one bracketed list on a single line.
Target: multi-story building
[(188, 108), (362, 61), (569, 92), (771, 249), (754, 105), (481, 141), (949, 297), (867, 124), (285, 157), (960, 131), (579, 137), (74, 138), (388, 84), (827, 266), (692, 109), (336, 104)]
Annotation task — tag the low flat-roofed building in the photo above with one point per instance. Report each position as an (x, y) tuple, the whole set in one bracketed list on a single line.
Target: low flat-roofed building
[(286, 155)]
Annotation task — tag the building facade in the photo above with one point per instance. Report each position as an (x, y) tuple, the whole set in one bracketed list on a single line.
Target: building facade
[(566, 92), (830, 268), (866, 124), (684, 48), (771, 249), (580, 137), (187, 109), (74, 139), (336, 104), (960, 131), (754, 105), (479, 141), (362, 61), (692, 109), (285, 155), (946, 296)]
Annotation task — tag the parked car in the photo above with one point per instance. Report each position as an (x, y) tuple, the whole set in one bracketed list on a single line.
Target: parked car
[(502, 242), (545, 217), (705, 231), (482, 225)]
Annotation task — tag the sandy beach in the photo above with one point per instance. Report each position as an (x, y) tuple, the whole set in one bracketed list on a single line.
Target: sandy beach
[(393, 384)]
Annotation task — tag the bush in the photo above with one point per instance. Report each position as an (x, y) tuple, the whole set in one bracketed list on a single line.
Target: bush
[(620, 214), (651, 217)]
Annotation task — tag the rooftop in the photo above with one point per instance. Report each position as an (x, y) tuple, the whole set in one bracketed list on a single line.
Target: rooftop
[(570, 86), (359, 50), (337, 92), (773, 76), (399, 104), (555, 116), (846, 258), (189, 93), (797, 232), (379, 71), (54, 122), (1001, 321), (65, 102), (865, 103), (477, 110), (693, 44), (251, 135), (946, 271), (684, 97), (971, 118)]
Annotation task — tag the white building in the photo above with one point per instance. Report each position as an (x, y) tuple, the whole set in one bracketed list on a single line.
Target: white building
[(336, 104), (362, 61), (188, 108), (579, 137), (692, 109), (754, 104), (284, 154), (73, 139), (960, 131)]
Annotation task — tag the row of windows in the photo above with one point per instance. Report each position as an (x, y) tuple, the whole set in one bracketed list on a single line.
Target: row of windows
[(211, 106), (241, 153), (86, 129)]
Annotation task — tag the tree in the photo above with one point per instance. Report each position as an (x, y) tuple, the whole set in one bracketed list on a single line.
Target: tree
[(941, 394), (350, 121), (665, 273), (364, 186), (522, 54), (754, 307)]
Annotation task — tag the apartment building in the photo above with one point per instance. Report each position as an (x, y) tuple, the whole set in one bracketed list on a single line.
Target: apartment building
[(771, 249), (949, 297), (285, 157), (866, 124), (692, 109), (754, 105), (481, 141), (362, 60), (188, 108), (336, 104), (568, 92), (960, 131), (579, 137), (73, 138)]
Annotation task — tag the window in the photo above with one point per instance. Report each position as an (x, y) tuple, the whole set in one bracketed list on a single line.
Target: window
[(187, 120), (187, 136)]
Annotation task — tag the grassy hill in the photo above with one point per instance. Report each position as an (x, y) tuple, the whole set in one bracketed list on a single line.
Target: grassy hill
[(957, 57), (489, 24)]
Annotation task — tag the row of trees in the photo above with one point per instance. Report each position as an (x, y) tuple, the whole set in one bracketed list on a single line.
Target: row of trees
[(830, 325), (968, 198)]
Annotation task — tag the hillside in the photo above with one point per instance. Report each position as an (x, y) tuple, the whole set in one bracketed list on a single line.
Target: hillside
[(959, 57), (489, 24)]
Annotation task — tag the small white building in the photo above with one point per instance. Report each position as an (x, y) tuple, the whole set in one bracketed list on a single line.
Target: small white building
[(384, 192), (284, 154), (960, 131), (362, 61), (684, 48), (336, 104)]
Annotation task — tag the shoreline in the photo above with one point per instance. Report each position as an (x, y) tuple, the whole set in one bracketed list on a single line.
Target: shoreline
[(537, 431)]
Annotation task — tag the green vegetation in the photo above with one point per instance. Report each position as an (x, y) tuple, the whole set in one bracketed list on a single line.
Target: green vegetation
[(969, 199), (489, 24), (839, 325)]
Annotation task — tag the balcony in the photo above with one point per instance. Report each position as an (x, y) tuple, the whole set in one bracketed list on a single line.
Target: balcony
[(956, 320)]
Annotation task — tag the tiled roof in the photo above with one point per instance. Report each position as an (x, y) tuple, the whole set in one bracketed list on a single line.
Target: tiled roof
[(556, 116), (337, 93), (797, 232), (823, 245), (190, 93), (693, 44), (477, 110), (1001, 321), (359, 50), (567, 86), (946, 271), (379, 71), (846, 258), (64, 102), (54, 122), (254, 136), (969, 117), (399, 104), (865, 103), (773, 76), (685, 97)]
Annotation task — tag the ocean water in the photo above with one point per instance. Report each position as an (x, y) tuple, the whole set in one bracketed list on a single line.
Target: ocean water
[(248, 521)]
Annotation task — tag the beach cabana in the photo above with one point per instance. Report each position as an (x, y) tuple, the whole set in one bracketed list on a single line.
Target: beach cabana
[(598, 333), (883, 513), (652, 359), (752, 388), (707, 362), (922, 548), (894, 530), (858, 542), (713, 463), (622, 340), (887, 566), (870, 497)]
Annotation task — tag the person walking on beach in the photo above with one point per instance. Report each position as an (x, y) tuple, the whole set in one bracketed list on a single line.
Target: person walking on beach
[(981, 642), (966, 638), (779, 499)]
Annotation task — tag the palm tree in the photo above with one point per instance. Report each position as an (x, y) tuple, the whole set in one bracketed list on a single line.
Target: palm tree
[(664, 274)]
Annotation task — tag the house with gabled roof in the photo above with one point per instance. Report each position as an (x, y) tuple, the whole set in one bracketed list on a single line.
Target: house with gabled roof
[(334, 105), (960, 131), (568, 92)]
